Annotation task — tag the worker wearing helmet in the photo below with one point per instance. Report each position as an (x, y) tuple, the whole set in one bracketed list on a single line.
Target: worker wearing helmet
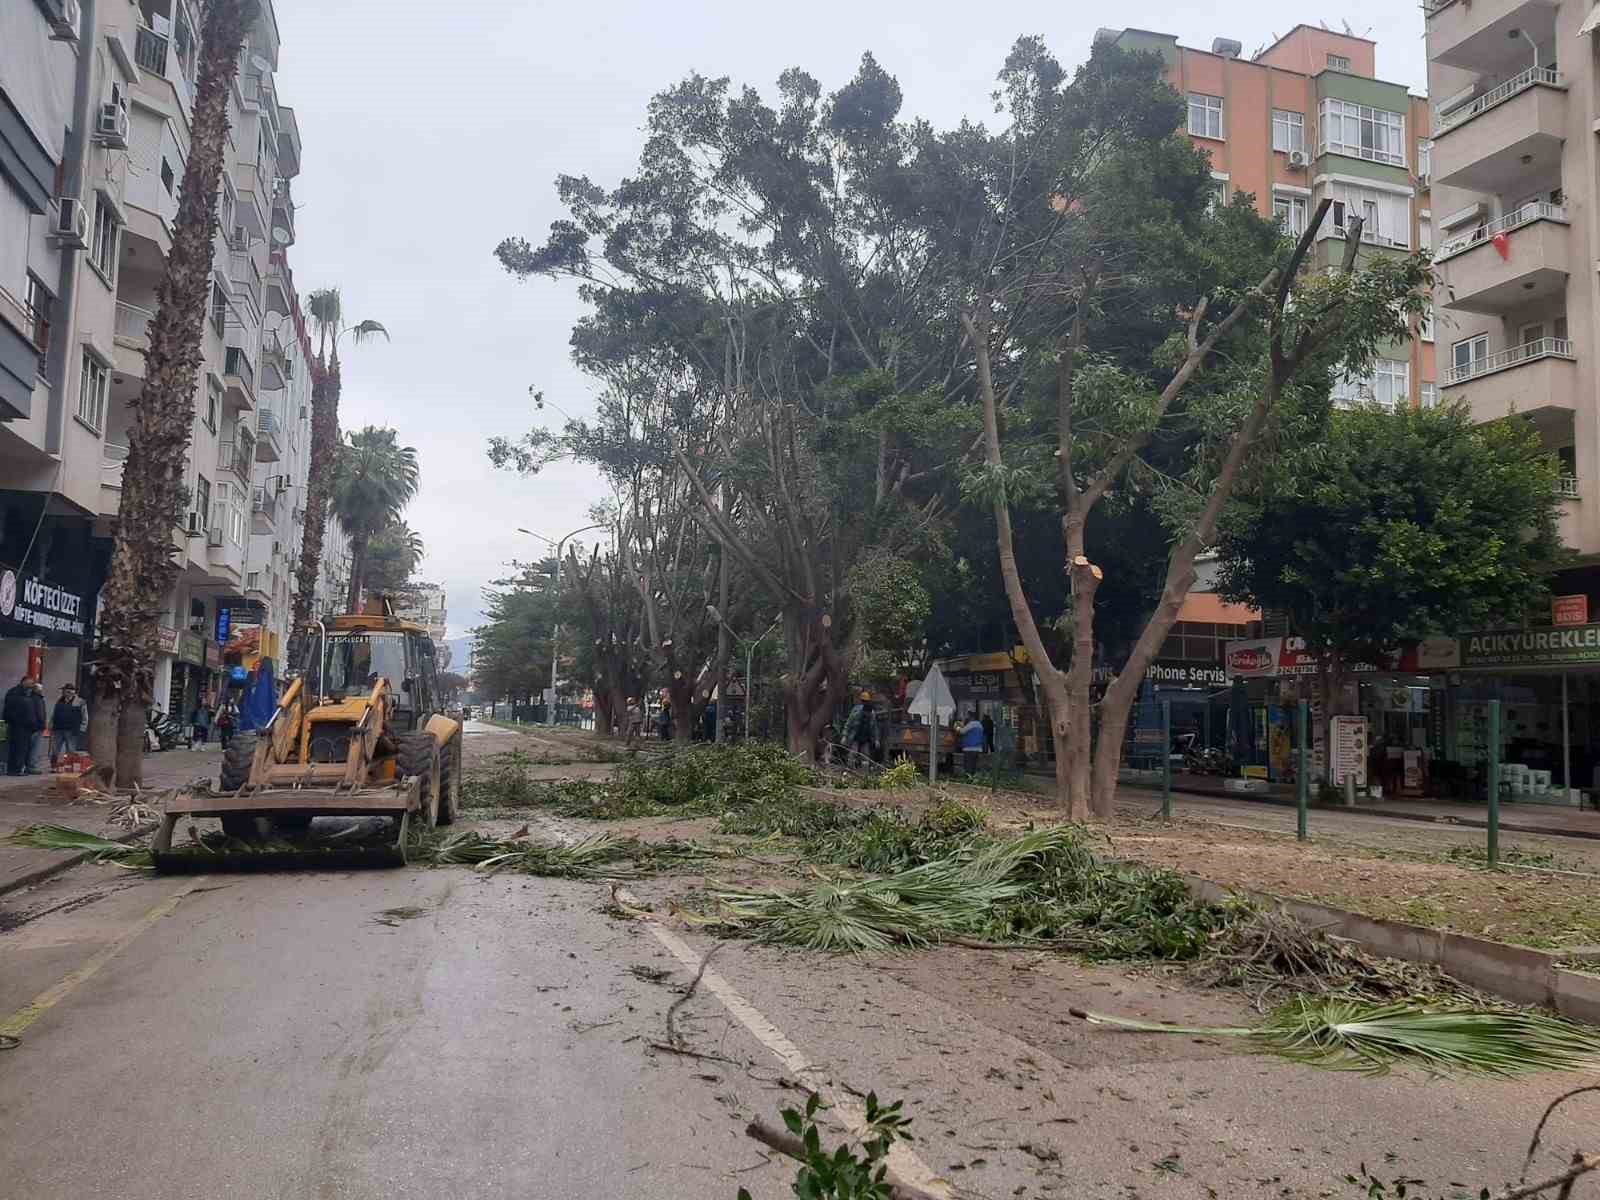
[(861, 729)]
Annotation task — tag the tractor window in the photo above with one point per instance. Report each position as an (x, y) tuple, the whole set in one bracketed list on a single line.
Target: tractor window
[(355, 661)]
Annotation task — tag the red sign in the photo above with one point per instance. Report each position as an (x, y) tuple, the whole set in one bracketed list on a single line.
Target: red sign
[(1251, 660), (166, 639), (1569, 610)]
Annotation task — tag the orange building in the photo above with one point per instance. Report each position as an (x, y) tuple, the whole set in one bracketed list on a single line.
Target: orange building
[(1304, 119)]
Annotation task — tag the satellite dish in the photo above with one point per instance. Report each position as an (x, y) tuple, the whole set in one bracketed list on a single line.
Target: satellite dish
[(261, 65), (281, 235)]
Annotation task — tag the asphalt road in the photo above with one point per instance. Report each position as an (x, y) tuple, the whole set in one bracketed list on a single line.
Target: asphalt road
[(293, 1036)]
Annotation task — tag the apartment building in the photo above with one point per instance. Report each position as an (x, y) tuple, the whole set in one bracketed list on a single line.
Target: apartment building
[(426, 606), (87, 204), (1517, 97), (1307, 118)]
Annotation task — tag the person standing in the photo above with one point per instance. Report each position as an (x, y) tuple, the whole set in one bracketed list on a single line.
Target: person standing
[(66, 725), (988, 733), (664, 721), (18, 715), (861, 730), (635, 720), (200, 724), (226, 720), (972, 744)]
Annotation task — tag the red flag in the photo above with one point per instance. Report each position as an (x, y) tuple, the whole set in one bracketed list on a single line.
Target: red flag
[(1502, 243)]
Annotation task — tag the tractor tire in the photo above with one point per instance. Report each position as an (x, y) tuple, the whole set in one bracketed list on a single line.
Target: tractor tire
[(416, 759), (236, 762), (450, 781)]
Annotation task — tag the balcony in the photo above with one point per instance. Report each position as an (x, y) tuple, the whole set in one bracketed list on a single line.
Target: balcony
[(1508, 134), (274, 362), (288, 142), (113, 458), (236, 455), (242, 270), (282, 215), (1477, 34), (276, 290), (265, 510), (1538, 380), (239, 378), (267, 445), (1479, 278)]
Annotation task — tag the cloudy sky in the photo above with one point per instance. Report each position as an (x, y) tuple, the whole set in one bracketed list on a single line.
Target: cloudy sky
[(433, 131)]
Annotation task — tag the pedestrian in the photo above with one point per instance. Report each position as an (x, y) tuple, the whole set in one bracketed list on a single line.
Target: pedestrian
[(861, 731), (708, 722), (635, 720), (200, 724), (664, 721), (18, 715), (988, 734), (66, 725), (972, 743), (226, 720)]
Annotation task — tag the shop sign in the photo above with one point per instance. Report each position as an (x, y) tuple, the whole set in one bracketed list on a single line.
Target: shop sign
[(213, 655), (1436, 654), (1349, 738), (1569, 610), (1254, 659), (166, 639), (28, 600), (192, 648), (1186, 674), (224, 624), (1531, 647)]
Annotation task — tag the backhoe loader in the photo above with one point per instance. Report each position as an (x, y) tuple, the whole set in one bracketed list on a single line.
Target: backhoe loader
[(358, 733)]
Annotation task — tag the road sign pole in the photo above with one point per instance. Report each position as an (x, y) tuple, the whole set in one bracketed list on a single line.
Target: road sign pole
[(1302, 776), (1493, 848), (1166, 760)]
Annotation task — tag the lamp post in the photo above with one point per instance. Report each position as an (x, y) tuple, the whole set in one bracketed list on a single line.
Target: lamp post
[(555, 629), (749, 682)]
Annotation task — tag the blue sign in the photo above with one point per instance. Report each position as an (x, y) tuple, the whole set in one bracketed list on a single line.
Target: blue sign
[(238, 675), (224, 624)]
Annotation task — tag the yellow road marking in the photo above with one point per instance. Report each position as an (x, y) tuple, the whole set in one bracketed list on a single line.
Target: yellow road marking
[(13, 1025)]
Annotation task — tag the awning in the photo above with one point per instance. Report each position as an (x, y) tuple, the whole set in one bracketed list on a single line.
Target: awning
[(1590, 23)]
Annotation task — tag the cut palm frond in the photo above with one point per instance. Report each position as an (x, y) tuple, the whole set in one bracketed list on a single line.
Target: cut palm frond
[(601, 856), (1347, 1035), (64, 837)]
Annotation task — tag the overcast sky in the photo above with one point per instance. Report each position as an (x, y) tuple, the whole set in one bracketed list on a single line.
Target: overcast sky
[(433, 131)]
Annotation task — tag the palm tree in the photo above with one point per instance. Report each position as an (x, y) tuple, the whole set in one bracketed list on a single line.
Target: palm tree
[(392, 557), (142, 568), (374, 478), (326, 311)]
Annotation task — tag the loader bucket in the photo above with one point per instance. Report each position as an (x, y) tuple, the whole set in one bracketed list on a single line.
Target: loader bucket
[(369, 843)]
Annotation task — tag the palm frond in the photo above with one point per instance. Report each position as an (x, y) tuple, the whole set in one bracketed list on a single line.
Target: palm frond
[(1348, 1035), (64, 837), (363, 330)]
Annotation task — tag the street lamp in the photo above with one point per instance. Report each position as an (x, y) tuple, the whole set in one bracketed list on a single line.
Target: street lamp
[(555, 629)]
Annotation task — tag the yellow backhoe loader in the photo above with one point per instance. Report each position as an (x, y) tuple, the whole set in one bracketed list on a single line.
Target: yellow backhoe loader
[(359, 733)]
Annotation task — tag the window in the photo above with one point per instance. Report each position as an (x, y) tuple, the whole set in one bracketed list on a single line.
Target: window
[(235, 515), (219, 307), (202, 500), (41, 307), (1288, 131), (1291, 210), (1430, 395), (1424, 233), (1220, 194), (1424, 158), (1385, 216), (1388, 386), (213, 403), (1205, 115), (225, 209), (1358, 131), (93, 381), (1339, 62), (168, 180), (1425, 323), (103, 249), (1467, 356)]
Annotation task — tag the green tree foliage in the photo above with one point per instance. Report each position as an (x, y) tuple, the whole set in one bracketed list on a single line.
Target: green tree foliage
[(1398, 526), (393, 556), (375, 477), (511, 653), (894, 609)]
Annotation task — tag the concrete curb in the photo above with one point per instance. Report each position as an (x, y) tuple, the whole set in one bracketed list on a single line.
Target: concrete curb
[(1517, 973), (63, 862)]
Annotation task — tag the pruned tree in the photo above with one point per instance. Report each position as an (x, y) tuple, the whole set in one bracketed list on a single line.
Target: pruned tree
[(143, 564)]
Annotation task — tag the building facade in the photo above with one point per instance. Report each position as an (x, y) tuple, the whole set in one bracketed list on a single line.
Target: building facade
[(1303, 120), (96, 100), (426, 606), (1515, 172)]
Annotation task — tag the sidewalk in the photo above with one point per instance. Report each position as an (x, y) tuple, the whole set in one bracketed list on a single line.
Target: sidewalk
[(30, 800), (1515, 817)]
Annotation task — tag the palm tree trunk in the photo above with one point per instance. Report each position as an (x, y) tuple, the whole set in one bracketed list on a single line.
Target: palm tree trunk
[(358, 570), (319, 486), (143, 568)]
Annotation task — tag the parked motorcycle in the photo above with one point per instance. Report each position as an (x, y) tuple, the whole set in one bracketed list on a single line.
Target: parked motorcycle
[(163, 731)]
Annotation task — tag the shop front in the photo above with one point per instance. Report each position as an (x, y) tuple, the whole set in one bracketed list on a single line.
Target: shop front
[(44, 625)]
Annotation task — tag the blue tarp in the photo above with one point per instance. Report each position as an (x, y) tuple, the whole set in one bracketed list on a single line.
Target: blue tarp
[(260, 698)]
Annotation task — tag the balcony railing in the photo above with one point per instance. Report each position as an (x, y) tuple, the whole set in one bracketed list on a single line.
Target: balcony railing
[(1515, 356), (133, 321), (266, 502), (1515, 219), (1444, 122), (237, 362), (1567, 487), (236, 456), (150, 51)]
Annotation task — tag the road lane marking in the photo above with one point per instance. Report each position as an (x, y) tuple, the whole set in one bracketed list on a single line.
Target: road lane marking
[(13, 1025), (907, 1166)]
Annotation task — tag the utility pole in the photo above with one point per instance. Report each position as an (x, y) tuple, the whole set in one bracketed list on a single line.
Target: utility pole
[(555, 628)]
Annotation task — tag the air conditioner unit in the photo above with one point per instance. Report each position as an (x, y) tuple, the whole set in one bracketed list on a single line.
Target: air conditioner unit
[(194, 527), (72, 223), (1297, 160), (111, 129), (64, 25), (302, 412), (214, 536), (197, 624)]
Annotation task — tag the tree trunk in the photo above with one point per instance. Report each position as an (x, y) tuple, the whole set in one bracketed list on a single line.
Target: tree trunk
[(104, 716), (680, 691), (143, 569), (130, 743), (358, 571), (319, 483)]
